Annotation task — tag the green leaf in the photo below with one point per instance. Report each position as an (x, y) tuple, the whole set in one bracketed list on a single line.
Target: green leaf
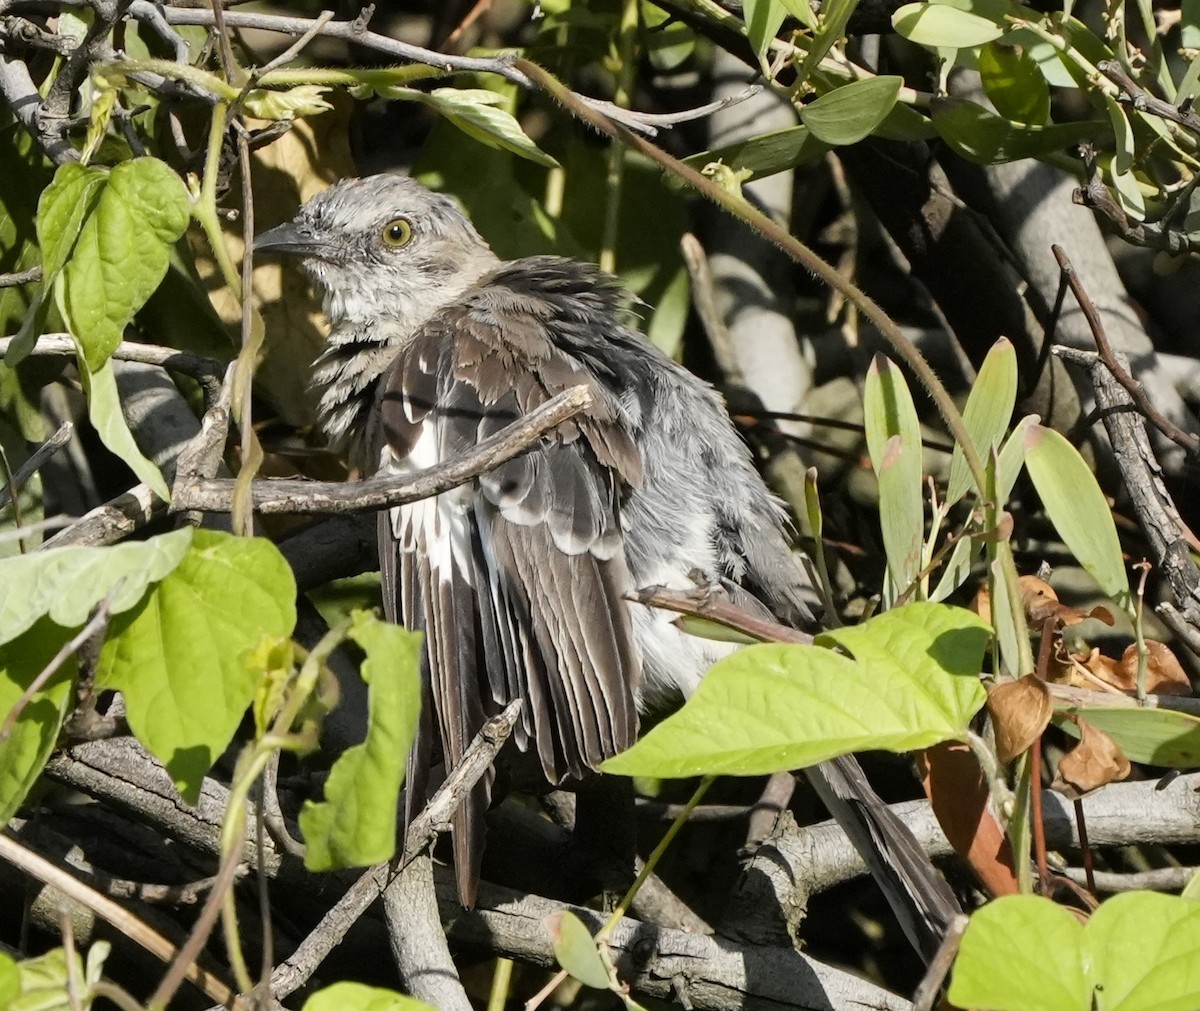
[(802, 11), (987, 414), (1014, 82), (981, 136), (1012, 458), (958, 567), (848, 114), (1077, 508), (764, 155), (475, 112), (911, 680), (894, 445), (27, 174), (24, 752), (1145, 951), (1021, 953), (121, 255), (940, 26), (360, 997), (906, 124), (62, 208), (65, 205), (104, 412), (831, 28), (10, 979), (44, 983), (67, 583), (666, 41), (356, 823), (763, 20), (1139, 952), (178, 657), (576, 951), (1153, 736)]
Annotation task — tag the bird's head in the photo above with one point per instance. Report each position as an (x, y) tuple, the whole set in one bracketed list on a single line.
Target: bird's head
[(383, 248)]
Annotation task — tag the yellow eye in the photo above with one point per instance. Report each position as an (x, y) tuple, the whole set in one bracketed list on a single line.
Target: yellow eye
[(396, 233)]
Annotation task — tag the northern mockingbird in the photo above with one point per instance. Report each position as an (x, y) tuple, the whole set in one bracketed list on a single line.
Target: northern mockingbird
[(520, 578)]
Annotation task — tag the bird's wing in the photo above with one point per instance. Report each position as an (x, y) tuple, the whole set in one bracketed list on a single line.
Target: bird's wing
[(518, 579)]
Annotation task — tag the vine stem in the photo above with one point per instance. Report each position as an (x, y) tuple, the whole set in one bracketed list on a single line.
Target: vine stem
[(741, 208)]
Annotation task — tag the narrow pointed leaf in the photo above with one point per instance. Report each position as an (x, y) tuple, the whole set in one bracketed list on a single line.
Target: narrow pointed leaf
[(894, 444), (575, 949), (763, 19), (831, 29), (988, 413), (848, 114), (104, 412), (1161, 737), (987, 139), (476, 112), (1077, 508), (940, 26)]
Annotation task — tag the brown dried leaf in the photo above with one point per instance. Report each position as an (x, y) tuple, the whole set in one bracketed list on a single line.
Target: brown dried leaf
[(1020, 711), (1093, 762), (1041, 602), (1164, 674)]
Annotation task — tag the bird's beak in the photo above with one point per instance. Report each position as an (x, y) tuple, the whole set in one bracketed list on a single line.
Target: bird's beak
[(293, 239)]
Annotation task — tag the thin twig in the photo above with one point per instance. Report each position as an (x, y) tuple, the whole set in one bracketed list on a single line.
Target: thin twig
[(295, 49), (274, 497), (43, 870), (1160, 879), (441, 63), (702, 604), (1084, 847), (184, 963), (1134, 95), (295, 971), (926, 993), (37, 460), (1136, 391), (20, 277)]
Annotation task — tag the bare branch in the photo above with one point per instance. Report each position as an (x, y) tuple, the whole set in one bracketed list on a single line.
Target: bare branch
[(206, 371), (709, 973), (113, 521), (291, 497), (36, 461), (295, 971), (20, 277), (21, 95)]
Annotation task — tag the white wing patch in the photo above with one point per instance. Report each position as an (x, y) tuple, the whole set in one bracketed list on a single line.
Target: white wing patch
[(438, 528)]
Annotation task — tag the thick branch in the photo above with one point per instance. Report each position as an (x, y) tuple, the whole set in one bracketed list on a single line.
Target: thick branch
[(701, 972)]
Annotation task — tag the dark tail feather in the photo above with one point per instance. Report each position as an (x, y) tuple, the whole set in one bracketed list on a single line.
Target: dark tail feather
[(470, 833), (917, 893)]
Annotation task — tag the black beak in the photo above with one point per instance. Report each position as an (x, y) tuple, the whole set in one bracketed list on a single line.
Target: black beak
[(294, 239)]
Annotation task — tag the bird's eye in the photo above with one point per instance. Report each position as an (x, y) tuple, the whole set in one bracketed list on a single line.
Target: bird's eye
[(396, 233)]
